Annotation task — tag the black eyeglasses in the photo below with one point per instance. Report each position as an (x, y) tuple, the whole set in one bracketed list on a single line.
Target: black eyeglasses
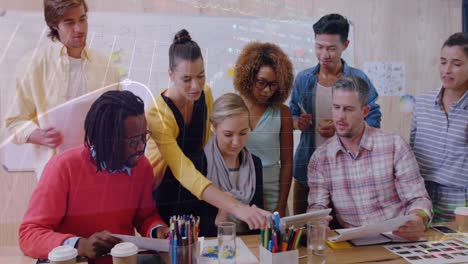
[(134, 142), (262, 84)]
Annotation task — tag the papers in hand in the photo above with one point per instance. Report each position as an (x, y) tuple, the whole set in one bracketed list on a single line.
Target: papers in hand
[(69, 117), (371, 230), (160, 245)]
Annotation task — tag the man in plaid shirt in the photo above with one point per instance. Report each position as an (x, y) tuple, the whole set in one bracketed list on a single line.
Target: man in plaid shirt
[(369, 175)]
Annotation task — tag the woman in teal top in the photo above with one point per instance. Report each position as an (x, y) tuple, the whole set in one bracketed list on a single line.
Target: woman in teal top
[(264, 78)]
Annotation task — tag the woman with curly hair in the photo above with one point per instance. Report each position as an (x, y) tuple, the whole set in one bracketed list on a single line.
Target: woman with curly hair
[(264, 77)]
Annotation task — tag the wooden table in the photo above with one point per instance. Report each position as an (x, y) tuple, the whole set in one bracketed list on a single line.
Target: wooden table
[(365, 254)]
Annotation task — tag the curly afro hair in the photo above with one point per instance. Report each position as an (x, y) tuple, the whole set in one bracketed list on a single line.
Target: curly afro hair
[(255, 55)]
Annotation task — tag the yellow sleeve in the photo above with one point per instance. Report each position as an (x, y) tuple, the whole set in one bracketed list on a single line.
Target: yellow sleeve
[(21, 118), (164, 151)]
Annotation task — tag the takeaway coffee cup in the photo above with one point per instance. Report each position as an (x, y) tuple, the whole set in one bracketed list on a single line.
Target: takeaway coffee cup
[(63, 255), (124, 253)]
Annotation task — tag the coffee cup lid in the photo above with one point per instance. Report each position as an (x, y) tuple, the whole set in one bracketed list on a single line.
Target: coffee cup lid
[(461, 210), (124, 249), (62, 253)]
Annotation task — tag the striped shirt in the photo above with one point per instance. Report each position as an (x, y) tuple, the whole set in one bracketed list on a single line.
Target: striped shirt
[(380, 183), (440, 141)]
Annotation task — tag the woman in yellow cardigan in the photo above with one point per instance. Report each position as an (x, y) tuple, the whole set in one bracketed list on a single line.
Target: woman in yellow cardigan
[(178, 121)]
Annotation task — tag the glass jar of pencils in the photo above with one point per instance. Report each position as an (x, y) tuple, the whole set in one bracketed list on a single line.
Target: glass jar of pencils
[(185, 252), (183, 239)]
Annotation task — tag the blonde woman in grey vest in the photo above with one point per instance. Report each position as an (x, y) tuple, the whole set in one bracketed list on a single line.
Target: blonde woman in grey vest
[(228, 164)]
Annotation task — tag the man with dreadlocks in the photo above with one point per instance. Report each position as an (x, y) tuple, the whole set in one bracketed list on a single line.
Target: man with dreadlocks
[(106, 184)]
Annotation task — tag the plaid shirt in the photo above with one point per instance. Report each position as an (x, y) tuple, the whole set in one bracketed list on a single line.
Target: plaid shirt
[(380, 183)]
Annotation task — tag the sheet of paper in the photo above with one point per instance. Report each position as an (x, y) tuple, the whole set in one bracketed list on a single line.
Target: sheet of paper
[(160, 245), (17, 157), (388, 77), (371, 230), (209, 251), (69, 118), (435, 252)]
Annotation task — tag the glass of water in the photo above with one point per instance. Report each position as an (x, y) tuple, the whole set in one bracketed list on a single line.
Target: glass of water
[(316, 233), (226, 242)]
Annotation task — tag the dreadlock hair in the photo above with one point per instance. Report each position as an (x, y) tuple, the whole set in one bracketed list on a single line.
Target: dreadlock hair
[(104, 127)]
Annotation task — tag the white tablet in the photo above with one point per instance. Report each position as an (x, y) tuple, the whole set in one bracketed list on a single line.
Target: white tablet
[(302, 219)]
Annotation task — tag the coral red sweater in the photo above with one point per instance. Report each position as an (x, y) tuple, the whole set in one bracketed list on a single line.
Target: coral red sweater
[(71, 199)]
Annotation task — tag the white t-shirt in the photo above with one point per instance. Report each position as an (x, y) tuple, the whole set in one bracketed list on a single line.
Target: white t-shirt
[(323, 110), (77, 81)]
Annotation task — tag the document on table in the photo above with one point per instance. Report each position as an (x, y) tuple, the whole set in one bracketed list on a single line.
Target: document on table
[(371, 230), (434, 252), (209, 252)]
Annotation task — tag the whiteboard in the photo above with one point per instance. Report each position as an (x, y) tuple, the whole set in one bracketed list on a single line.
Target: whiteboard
[(138, 44)]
